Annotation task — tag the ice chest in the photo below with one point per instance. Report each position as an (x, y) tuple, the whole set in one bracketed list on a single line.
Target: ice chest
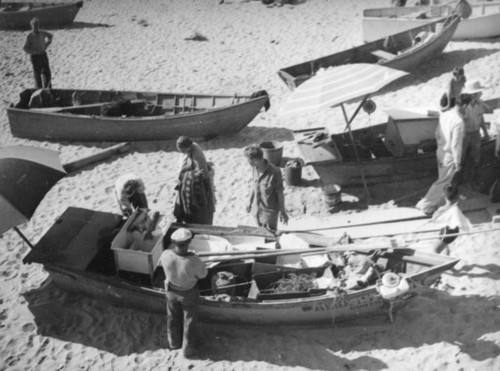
[(132, 252)]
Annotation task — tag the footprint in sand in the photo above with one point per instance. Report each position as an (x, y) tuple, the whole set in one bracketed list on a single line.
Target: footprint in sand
[(109, 189), (29, 327)]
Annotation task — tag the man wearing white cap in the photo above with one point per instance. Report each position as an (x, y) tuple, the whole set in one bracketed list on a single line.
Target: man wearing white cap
[(474, 121), (182, 270)]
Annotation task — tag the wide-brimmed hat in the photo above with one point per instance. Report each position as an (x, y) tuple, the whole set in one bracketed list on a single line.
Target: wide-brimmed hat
[(473, 87), (181, 235)]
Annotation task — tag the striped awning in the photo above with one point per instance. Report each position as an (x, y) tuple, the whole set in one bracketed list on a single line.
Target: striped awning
[(337, 85)]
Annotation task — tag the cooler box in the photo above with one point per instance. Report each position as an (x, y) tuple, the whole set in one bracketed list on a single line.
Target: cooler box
[(132, 252), (407, 131)]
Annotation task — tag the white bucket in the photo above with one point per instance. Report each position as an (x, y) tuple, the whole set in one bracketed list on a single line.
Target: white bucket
[(208, 243)]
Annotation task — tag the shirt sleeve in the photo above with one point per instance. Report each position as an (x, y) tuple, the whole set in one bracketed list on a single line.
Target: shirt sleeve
[(278, 180), (48, 35), (199, 160), (202, 269), (457, 137), (27, 44)]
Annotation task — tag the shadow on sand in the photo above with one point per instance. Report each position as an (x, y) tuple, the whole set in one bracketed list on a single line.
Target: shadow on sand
[(432, 317), (78, 25)]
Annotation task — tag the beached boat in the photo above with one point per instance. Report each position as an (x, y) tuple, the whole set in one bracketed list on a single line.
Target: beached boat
[(97, 115), (380, 22), (401, 51), (17, 15), (402, 149), (83, 253)]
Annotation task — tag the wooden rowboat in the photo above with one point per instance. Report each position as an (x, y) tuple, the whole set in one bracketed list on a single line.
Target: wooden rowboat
[(397, 51), (402, 149), (380, 22), (148, 116), (76, 253), (16, 15)]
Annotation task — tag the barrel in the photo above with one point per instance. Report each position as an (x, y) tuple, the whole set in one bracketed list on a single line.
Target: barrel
[(293, 172), (273, 152), (332, 195)]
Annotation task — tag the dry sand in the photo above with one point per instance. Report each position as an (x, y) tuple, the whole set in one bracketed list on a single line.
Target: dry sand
[(140, 45)]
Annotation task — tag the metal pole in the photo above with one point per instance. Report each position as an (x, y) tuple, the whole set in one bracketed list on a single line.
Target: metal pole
[(23, 237), (358, 160)]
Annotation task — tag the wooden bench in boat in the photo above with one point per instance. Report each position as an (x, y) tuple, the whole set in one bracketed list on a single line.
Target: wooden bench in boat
[(80, 107), (382, 54), (68, 108)]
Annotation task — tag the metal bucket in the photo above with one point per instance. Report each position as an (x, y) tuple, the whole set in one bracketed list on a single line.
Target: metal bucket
[(293, 172), (273, 152), (332, 195)]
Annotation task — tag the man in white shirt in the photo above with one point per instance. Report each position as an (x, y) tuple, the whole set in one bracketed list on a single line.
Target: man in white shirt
[(449, 138), (182, 270), (36, 46)]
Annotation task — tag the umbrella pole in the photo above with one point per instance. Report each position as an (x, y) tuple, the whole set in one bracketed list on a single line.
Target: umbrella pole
[(358, 160), (23, 237)]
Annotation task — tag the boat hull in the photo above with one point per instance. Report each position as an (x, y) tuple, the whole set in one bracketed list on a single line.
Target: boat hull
[(290, 312), (333, 169), (74, 250), (50, 15), (483, 23), (57, 126), (396, 52)]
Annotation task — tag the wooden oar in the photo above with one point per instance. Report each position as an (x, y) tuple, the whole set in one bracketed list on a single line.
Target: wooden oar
[(257, 252), (338, 248), (100, 156)]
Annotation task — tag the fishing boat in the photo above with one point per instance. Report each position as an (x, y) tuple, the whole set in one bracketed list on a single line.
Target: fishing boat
[(403, 51), (17, 15), (92, 253), (100, 115), (484, 21), (401, 149)]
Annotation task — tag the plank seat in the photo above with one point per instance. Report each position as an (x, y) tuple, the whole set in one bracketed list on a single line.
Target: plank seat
[(383, 54)]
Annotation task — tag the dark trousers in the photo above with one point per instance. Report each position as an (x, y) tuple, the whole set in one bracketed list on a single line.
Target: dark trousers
[(41, 71), (198, 215), (182, 311), (266, 219)]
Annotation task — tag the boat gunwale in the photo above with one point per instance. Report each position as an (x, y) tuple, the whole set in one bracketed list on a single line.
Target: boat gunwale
[(408, 53), (390, 159), (443, 263), (139, 118)]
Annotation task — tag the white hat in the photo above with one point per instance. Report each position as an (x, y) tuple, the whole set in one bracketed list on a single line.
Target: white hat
[(181, 235), (473, 87)]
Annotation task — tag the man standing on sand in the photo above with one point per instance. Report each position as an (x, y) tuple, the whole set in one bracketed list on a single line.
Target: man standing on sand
[(182, 270), (36, 46), (474, 122), (266, 199), (449, 138)]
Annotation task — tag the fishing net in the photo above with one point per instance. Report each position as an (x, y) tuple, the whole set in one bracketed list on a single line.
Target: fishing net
[(292, 283)]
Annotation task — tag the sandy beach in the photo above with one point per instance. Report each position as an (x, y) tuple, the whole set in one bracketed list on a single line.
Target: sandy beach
[(141, 45)]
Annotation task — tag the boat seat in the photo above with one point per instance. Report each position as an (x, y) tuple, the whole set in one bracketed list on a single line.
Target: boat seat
[(24, 8), (382, 54)]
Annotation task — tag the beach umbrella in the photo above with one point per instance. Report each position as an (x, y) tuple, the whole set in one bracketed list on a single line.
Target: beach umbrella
[(26, 175), (336, 86)]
